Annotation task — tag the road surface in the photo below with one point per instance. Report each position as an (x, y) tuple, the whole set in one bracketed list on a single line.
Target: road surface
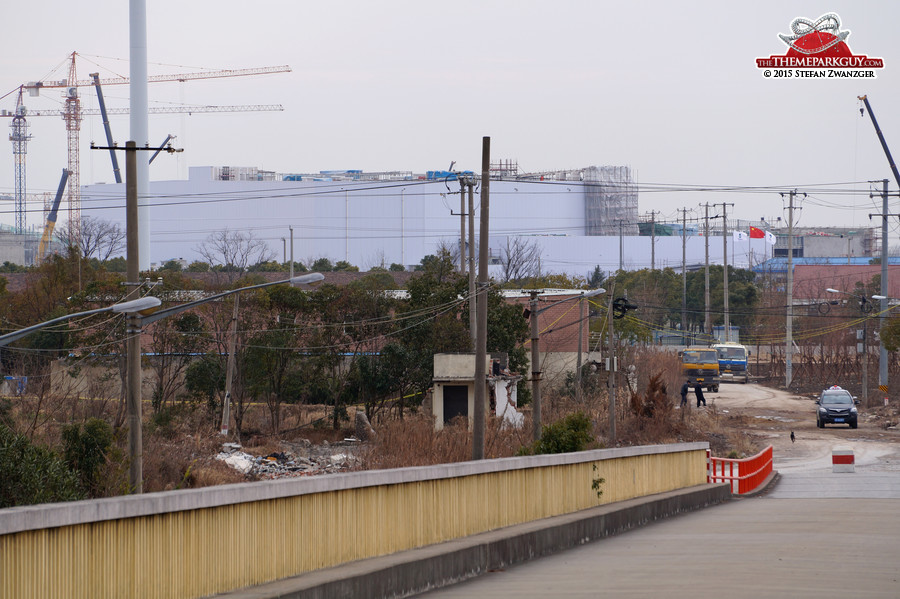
[(815, 534)]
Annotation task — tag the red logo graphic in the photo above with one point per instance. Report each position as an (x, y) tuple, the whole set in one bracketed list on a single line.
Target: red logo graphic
[(819, 44)]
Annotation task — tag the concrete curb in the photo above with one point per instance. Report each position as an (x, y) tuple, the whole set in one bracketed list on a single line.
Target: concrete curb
[(418, 570)]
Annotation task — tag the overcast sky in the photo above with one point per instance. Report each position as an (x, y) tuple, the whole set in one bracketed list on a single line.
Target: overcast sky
[(668, 88)]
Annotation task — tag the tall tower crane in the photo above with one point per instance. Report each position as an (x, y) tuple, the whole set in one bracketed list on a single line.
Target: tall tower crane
[(72, 113), (19, 137)]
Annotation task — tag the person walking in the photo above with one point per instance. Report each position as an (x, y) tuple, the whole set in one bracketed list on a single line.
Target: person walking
[(698, 390), (684, 391)]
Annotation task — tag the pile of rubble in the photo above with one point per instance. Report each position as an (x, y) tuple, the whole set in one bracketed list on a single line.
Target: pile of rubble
[(327, 459)]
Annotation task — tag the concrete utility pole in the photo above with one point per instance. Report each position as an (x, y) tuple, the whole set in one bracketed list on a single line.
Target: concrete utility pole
[(535, 366), (133, 344), (653, 214), (707, 328), (462, 224), (883, 305), (621, 248), (789, 325), (611, 382), (481, 336), (580, 344), (725, 263), (685, 340), (472, 298)]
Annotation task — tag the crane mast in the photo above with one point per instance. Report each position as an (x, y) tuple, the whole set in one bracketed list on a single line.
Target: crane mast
[(19, 137), (72, 114)]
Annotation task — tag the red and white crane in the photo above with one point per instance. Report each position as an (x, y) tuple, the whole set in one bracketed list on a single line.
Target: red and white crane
[(72, 114)]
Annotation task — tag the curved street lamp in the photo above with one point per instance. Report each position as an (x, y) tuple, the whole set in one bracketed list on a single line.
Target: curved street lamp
[(144, 304)]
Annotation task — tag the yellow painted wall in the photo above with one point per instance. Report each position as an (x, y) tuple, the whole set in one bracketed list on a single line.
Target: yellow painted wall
[(198, 552)]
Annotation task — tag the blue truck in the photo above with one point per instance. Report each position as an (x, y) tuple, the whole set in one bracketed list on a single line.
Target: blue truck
[(733, 358)]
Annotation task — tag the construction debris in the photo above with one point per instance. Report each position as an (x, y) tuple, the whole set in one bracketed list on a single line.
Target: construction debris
[(285, 464)]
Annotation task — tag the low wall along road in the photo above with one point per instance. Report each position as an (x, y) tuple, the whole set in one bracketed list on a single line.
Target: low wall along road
[(194, 543)]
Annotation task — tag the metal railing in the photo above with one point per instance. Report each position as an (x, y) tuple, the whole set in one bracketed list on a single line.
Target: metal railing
[(745, 475)]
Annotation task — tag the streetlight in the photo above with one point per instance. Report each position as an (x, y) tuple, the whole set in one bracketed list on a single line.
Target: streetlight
[(133, 310), (535, 353), (229, 371), (134, 306), (865, 308)]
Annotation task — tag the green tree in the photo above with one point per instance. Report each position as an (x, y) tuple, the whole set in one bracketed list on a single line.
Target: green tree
[(394, 267), (171, 266), (322, 265), (33, 474), (198, 266), (86, 449), (343, 265)]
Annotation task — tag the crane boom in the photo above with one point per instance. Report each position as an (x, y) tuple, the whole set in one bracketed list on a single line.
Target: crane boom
[(38, 85), (51, 218), (884, 146), (158, 110)]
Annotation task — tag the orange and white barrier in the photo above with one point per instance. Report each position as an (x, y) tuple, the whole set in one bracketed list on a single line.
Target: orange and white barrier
[(842, 459), (744, 475)]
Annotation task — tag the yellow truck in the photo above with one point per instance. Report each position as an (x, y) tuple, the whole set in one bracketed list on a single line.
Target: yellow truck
[(701, 365)]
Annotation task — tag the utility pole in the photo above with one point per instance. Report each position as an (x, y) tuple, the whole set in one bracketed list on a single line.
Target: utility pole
[(707, 329), (611, 381), (725, 263), (481, 336), (229, 368), (580, 344), (789, 325), (684, 340), (621, 248), (535, 366), (472, 298), (133, 344), (883, 304), (462, 224), (133, 321), (653, 239)]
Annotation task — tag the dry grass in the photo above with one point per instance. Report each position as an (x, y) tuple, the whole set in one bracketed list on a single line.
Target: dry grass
[(414, 442)]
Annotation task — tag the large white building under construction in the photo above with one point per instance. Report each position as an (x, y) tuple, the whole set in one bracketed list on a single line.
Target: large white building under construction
[(374, 219), (572, 220)]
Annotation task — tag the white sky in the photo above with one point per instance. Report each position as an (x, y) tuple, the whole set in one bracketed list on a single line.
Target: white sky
[(668, 88)]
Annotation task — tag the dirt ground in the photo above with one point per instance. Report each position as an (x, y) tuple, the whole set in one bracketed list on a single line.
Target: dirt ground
[(769, 415)]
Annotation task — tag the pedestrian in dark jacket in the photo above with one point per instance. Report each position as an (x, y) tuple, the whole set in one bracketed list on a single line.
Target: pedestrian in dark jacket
[(698, 390), (684, 391)]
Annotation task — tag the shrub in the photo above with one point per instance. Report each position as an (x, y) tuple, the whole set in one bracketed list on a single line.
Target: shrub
[(33, 474), (572, 433), (86, 449)]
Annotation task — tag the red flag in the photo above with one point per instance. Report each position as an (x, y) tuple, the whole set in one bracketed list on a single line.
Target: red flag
[(757, 233)]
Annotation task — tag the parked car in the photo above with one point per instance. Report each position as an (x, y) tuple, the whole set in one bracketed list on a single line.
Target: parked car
[(836, 406)]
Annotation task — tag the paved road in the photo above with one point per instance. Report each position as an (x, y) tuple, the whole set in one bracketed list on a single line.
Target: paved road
[(778, 545), (814, 534)]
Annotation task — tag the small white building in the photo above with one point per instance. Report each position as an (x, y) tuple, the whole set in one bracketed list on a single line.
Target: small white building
[(454, 390)]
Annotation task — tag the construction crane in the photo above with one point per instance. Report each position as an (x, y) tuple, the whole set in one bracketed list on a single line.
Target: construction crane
[(19, 137), (51, 220), (884, 146), (72, 113)]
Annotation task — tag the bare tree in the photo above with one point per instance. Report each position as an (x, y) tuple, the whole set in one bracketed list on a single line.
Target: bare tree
[(520, 259), (100, 239), (234, 251)]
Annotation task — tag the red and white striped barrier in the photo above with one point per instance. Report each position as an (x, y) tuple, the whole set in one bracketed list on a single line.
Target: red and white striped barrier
[(842, 459)]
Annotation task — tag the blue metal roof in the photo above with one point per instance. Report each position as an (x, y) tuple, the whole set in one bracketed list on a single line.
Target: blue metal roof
[(780, 264)]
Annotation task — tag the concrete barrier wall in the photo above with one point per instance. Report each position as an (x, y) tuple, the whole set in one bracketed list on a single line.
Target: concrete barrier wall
[(193, 543)]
